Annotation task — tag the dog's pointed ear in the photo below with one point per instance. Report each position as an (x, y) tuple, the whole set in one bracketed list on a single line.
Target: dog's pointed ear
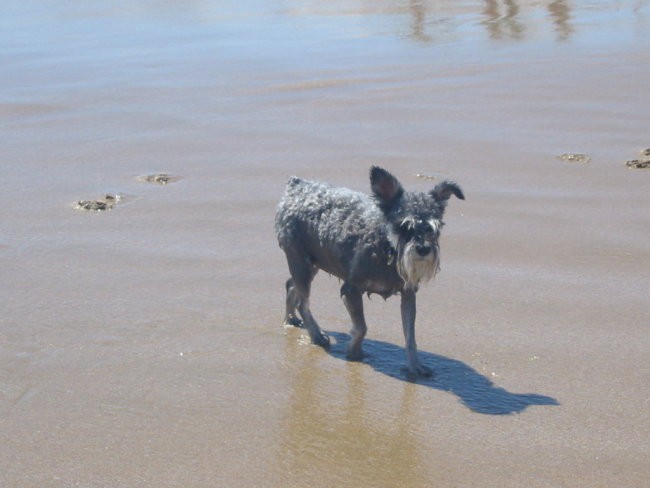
[(385, 187), (446, 189)]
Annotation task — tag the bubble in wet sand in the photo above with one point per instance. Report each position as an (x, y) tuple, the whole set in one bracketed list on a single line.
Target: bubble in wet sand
[(158, 178), (575, 157)]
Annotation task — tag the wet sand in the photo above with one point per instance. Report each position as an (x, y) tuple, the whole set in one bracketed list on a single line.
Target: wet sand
[(142, 346)]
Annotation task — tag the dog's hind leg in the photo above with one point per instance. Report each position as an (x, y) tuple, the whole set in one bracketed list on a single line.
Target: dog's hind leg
[(302, 273), (353, 301), (290, 317)]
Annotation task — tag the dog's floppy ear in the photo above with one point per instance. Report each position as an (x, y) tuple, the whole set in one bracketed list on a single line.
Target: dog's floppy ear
[(385, 187), (446, 189)]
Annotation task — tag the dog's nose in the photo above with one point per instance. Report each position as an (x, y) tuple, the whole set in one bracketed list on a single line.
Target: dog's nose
[(423, 249)]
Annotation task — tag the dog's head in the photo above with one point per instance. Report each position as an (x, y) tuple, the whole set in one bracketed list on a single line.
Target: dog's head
[(415, 221)]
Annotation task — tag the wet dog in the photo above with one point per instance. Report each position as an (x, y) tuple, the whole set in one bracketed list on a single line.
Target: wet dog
[(384, 243)]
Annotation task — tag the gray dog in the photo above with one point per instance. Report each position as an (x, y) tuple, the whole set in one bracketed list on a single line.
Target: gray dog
[(386, 243)]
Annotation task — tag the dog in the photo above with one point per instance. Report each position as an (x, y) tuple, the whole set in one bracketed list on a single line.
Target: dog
[(384, 243)]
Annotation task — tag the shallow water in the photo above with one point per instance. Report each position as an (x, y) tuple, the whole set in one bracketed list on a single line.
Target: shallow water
[(142, 346)]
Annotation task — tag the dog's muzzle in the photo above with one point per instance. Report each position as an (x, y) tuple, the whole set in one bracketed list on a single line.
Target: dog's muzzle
[(418, 263)]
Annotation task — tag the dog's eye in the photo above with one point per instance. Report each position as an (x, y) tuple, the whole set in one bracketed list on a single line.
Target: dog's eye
[(407, 228), (434, 226)]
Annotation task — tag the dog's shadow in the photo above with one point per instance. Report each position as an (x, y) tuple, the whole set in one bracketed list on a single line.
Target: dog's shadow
[(473, 389)]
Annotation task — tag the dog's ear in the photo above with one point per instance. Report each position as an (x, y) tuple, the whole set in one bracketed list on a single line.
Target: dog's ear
[(385, 187), (446, 189)]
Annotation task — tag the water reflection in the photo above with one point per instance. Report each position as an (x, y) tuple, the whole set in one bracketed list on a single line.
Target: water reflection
[(503, 19), (504, 25), (423, 21), (418, 10), (473, 389), (331, 434), (560, 12), (338, 428)]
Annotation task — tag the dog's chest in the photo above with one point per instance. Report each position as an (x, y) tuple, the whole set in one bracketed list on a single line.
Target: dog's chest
[(374, 271), (378, 287)]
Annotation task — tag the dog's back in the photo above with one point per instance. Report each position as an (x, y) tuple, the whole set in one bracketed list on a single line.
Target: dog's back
[(327, 224)]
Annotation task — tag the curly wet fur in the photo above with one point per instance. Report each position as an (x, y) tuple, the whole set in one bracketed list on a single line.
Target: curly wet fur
[(385, 243)]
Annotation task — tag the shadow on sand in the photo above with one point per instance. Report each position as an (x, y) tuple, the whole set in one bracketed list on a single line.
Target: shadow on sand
[(473, 389)]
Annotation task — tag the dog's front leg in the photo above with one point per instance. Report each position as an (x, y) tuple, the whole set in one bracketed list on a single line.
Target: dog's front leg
[(353, 301), (408, 324)]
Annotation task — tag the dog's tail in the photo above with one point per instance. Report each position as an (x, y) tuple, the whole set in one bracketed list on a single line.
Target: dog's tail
[(293, 187), (293, 181), (285, 210)]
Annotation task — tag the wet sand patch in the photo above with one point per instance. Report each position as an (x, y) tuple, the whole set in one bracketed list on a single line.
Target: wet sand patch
[(158, 178), (100, 205), (638, 163), (642, 163)]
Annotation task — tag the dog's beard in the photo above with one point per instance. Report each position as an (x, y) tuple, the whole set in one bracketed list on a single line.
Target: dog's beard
[(415, 269)]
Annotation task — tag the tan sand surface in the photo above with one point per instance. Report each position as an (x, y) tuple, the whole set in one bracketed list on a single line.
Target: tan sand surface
[(143, 347)]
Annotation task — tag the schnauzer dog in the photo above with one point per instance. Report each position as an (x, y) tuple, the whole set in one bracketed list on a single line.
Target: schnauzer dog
[(386, 243)]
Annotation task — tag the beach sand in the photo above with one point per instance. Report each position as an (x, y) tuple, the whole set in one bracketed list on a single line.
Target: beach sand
[(142, 346)]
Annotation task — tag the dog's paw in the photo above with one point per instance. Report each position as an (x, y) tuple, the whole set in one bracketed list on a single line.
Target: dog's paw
[(354, 354), (424, 371), (293, 321), (418, 371), (321, 340)]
